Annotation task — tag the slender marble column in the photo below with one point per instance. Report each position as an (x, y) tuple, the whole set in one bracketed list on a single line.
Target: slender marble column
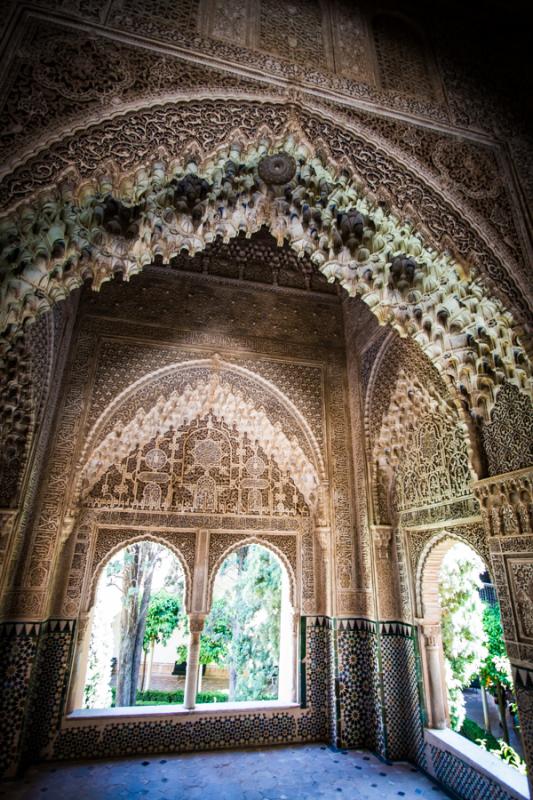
[(432, 641), (196, 626)]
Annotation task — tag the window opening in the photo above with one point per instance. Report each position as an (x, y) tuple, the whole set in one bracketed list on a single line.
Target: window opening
[(248, 641), (138, 624), (477, 672)]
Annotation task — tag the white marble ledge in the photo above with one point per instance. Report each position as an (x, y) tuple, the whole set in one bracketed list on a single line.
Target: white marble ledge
[(176, 711), (480, 760)]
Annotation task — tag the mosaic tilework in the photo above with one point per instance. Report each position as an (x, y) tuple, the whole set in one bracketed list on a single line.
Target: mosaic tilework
[(169, 736), (358, 686), (401, 702), (36, 659), (462, 779), (48, 686), (314, 652), (18, 646), (340, 681), (123, 737)]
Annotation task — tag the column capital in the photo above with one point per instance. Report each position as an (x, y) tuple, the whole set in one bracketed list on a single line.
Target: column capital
[(196, 622), (506, 502), (323, 534), (432, 633)]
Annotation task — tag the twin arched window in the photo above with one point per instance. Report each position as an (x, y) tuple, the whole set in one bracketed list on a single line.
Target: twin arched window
[(139, 630)]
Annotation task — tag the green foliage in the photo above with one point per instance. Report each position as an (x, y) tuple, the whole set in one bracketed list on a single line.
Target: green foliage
[(463, 636), (496, 668), (114, 568), (216, 634), (252, 577), (181, 654), (509, 754), (242, 629), (155, 697), (471, 730), (165, 614)]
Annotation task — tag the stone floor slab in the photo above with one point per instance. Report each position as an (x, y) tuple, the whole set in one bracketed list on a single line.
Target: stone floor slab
[(299, 772)]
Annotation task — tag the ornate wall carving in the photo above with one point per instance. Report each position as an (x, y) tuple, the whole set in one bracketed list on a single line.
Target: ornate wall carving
[(387, 590), (227, 31), (507, 512), (350, 585), (292, 30), (234, 22), (206, 467), (363, 562), (420, 449), (520, 572), (434, 464), (97, 376), (25, 373), (508, 438), (163, 20), (351, 43), (404, 580), (48, 531), (62, 87), (388, 360), (216, 468), (403, 60), (54, 79), (118, 526), (429, 321), (110, 170), (506, 503)]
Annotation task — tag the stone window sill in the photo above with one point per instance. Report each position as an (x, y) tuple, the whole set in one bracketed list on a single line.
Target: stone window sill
[(201, 709), (480, 760)]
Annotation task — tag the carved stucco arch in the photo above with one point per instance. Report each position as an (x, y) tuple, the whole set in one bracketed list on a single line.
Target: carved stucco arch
[(268, 544), (428, 568), (156, 538), (442, 313), (17, 166), (308, 475)]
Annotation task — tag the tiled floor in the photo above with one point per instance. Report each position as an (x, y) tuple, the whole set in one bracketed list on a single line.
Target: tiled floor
[(275, 773)]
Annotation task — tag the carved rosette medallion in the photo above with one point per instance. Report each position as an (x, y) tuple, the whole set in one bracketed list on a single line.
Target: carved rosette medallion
[(277, 169)]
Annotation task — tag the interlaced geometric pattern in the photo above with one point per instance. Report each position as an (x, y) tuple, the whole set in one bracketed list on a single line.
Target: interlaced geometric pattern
[(401, 58), (202, 467)]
